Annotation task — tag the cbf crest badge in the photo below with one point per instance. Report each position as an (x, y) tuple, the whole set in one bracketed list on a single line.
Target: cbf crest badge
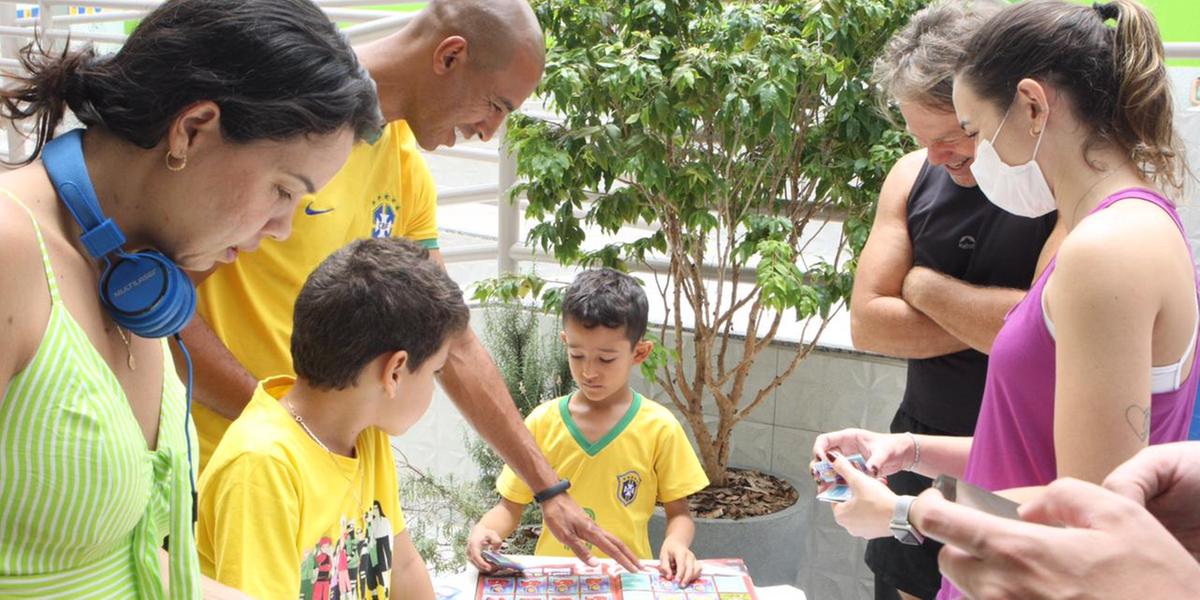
[(627, 487), (383, 214)]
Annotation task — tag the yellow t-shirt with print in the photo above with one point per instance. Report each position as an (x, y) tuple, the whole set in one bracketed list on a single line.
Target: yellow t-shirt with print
[(645, 459), (384, 190), (281, 517)]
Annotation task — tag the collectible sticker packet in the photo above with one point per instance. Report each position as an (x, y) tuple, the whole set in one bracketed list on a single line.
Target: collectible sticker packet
[(725, 579)]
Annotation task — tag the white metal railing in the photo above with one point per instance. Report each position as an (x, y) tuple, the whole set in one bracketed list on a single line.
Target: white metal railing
[(1183, 49), (364, 25)]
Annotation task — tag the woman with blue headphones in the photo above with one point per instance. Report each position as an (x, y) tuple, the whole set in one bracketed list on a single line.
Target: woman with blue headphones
[(199, 136)]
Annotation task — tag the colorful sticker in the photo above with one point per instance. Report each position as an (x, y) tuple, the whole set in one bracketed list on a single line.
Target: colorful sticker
[(729, 584), (595, 584), (531, 585), (664, 585), (564, 585), (635, 582), (498, 585)]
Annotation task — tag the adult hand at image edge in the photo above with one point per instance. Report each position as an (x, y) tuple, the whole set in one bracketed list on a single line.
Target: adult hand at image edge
[(1110, 547), (1166, 480)]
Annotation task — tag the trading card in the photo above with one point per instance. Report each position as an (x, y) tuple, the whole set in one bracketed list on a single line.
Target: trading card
[(594, 584), (564, 585), (635, 581), (837, 493), (498, 585), (825, 474), (730, 584), (531, 586), (504, 566)]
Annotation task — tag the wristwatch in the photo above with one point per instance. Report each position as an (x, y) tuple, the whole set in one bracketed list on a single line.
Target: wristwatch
[(552, 491), (900, 525)]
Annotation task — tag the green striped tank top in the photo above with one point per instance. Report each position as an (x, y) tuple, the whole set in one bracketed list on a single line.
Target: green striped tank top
[(84, 504)]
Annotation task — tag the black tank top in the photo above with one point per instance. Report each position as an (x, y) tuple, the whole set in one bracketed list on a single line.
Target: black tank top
[(957, 231)]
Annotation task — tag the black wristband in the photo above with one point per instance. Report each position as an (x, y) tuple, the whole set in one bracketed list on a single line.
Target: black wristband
[(552, 491)]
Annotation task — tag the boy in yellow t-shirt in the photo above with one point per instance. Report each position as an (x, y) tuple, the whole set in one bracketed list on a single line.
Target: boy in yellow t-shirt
[(621, 452), (300, 499)]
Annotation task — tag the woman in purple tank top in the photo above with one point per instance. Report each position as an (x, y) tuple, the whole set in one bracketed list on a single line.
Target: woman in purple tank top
[(1099, 359)]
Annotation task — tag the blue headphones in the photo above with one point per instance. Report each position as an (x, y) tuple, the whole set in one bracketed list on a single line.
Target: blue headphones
[(144, 292)]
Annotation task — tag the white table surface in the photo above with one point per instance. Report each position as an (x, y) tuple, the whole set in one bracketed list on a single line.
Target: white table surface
[(461, 585)]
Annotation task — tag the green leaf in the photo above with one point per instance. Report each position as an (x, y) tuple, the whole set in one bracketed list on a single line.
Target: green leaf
[(751, 40)]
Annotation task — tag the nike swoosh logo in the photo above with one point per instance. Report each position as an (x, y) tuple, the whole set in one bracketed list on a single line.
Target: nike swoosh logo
[(308, 210)]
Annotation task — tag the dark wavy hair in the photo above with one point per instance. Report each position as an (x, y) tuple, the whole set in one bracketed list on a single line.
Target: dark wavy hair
[(276, 68), (373, 297), (609, 298)]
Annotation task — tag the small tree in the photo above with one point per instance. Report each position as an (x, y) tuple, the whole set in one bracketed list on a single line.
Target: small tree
[(441, 509), (738, 130)]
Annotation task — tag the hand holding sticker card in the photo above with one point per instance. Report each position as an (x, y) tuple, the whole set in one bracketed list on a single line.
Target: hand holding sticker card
[(505, 566), (824, 473), (840, 492)]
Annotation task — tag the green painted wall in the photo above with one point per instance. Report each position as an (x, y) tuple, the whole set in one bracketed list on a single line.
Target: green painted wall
[(1178, 21)]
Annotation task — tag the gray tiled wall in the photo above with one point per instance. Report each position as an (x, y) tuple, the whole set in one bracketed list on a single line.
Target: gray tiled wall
[(829, 390)]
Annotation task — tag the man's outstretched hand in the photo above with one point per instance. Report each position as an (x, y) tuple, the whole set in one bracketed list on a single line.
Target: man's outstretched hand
[(567, 521)]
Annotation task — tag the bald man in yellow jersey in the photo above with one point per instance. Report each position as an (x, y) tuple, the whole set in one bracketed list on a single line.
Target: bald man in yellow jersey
[(459, 67)]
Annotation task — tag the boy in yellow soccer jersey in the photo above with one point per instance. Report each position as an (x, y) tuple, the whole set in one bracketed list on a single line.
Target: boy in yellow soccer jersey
[(620, 452), (300, 499)]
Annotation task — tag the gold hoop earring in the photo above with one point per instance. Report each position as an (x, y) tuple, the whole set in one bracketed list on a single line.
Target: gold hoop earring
[(171, 167)]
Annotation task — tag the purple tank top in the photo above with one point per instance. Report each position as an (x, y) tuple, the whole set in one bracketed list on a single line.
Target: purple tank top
[(1014, 438)]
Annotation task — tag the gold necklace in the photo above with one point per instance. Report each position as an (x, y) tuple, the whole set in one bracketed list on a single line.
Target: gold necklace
[(128, 350), (358, 467)]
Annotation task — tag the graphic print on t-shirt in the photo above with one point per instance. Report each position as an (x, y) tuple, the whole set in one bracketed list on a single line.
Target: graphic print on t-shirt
[(357, 566)]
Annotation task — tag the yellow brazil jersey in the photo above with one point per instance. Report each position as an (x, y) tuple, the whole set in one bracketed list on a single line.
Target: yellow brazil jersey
[(383, 190), (645, 459), (281, 517)]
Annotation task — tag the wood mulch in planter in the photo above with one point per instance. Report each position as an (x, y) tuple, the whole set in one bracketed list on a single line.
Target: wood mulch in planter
[(749, 494)]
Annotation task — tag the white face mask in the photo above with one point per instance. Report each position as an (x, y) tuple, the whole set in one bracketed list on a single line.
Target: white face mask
[(1018, 189)]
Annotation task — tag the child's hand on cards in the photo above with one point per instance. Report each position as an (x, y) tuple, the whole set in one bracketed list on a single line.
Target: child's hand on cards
[(481, 539), (677, 563)]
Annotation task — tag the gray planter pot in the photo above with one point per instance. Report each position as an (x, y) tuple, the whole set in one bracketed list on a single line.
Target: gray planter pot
[(771, 545)]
